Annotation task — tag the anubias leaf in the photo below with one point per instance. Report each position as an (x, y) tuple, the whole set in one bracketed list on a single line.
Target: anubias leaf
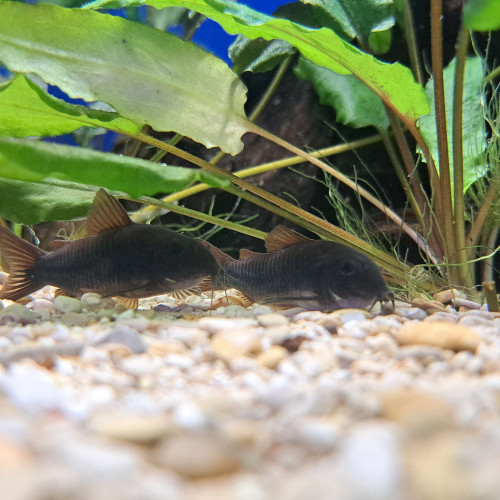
[(474, 138), (393, 83), (27, 110), (147, 76), (356, 105), (46, 167)]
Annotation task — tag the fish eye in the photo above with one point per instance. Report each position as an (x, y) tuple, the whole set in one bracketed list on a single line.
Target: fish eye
[(347, 267)]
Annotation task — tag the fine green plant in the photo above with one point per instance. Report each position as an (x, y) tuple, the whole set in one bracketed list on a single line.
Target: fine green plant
[(150, 79)]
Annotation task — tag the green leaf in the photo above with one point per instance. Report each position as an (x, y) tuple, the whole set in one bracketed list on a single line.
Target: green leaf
[(474, 139), (47, 165), (27, 110), (258, 55), (356, 105), (33, 202), (393, 83), (482, 15), (358, 19), (148, 76)]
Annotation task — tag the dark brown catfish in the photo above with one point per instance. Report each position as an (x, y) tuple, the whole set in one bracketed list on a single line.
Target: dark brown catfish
[(298, 271), (117, 258)]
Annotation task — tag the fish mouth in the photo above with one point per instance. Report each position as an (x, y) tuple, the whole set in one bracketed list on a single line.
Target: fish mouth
[(386, 300)]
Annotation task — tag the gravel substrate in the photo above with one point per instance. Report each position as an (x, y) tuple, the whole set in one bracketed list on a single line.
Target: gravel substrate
[(174, 401)]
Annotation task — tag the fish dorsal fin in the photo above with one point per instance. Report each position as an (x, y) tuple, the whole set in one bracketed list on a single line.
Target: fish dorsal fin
[(246, 254), (281, 237), (106, 213), (219, 256)]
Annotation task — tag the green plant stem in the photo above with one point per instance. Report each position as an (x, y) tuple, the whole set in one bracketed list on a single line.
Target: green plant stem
[(412, 42), (158, 156), (492, 75), (458, 158), (199, 215), (266, 167), (409, 194), (478, 223), (445, 215)]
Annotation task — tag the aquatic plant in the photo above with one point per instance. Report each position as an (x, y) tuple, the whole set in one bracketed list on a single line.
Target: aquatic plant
[(150, 79)]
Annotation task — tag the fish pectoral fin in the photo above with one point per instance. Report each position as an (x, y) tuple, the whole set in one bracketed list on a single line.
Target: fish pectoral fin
[(106, 213), (182, 294), (206, 285), (246, 301), (61, 293), (219, 256), (127, 302), (281, 237)]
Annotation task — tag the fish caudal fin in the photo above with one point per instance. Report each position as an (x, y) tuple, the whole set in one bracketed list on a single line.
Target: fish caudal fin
[(20, 257)]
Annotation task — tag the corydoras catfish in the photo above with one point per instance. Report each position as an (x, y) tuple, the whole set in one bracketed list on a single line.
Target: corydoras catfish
[(117, 258), (298, 271)]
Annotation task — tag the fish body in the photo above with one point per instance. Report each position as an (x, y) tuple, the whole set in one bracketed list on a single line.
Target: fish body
[(118, 258), (316, 275)]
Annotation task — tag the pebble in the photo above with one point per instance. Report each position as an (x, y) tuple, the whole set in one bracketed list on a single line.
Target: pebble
[(272, 357), (440, 334), (197, 455), (227, 345), (16, 313), (122, 334), (139, 429), (67, 304)]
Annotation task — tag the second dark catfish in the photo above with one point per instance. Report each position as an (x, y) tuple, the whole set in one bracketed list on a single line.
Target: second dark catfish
[(298, 271)]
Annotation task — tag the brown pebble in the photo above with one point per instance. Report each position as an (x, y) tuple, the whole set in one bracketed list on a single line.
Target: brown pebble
[(292, 344), (446, 296), (419, 413), (229, 344), (272, 357), (197, 455), (439, 334), (429, 306)]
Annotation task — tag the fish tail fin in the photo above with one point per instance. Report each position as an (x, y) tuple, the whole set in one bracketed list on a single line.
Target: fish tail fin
[(20, 256), (220, 257)]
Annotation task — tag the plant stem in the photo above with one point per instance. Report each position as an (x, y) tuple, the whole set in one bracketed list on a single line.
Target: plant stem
[(458, 158), (348, 182), (145, 213), (491, 296), (445, 215), (411, 40), (479, 220)]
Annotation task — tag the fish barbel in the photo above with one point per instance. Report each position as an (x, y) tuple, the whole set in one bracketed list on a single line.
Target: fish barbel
[(298, 271), (117, 258)]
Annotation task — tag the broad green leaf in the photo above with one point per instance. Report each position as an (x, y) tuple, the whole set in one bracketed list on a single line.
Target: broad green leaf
[(33, 202), (258, 55), (393, 83), (27, 110), (358, 19), (52, 164), (148, 76), (474, 138), (356, 105), (482, 15)]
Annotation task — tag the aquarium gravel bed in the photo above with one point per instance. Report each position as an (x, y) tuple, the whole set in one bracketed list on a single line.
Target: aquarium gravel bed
[(174, 401)]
